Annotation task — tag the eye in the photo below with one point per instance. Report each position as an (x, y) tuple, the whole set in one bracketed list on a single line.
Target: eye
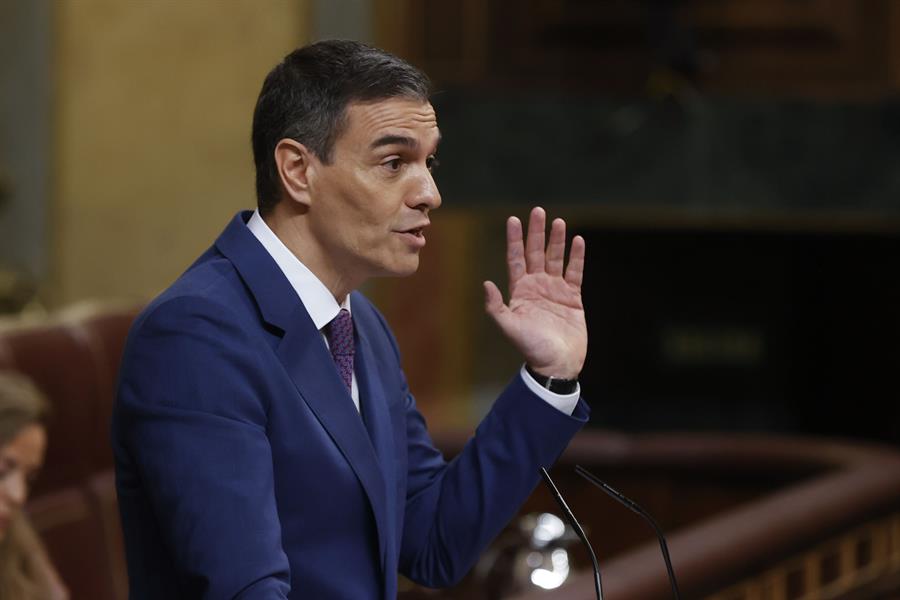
[(432, 162), (393, 165)]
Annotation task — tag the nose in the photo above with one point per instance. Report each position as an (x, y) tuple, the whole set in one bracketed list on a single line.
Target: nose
[(426, 195)]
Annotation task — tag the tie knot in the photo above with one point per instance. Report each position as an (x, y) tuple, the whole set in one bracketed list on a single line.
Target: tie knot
[(340, 334)]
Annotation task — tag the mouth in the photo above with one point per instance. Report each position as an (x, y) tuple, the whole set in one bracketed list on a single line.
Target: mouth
[(414, 236)]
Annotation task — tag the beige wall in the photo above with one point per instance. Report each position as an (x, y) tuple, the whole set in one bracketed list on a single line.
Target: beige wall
[(153, 108)]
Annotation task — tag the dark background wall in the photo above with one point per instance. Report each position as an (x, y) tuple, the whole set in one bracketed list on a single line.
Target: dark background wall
[(733, 168)]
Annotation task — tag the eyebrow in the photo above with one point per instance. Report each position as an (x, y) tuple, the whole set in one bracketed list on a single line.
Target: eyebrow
[(402, 140), (390, 140)]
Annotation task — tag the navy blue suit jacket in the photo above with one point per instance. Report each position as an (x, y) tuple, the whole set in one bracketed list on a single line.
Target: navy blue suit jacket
[(244, 470)]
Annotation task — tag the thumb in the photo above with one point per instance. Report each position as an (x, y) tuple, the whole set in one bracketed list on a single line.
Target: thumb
[(493, 305), (493, 299)]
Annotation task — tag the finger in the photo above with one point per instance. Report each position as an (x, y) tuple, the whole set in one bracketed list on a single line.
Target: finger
[(493, 301), (515, 250), (534, 243), (556, 248), (575, 268), (493, 305)]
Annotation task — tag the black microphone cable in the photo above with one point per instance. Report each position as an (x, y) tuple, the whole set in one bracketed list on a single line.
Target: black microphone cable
[(633, 506), (570, 517)]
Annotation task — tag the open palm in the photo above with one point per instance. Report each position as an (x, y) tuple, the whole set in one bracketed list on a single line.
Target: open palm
[(544, 318)]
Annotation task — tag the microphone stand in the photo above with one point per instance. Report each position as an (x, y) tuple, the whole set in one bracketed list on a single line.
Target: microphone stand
[(634, 507), (570, 517)]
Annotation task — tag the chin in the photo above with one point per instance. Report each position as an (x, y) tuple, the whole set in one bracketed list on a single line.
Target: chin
[(403, 268)]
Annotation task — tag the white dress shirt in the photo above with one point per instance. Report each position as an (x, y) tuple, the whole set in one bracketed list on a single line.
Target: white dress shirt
[(322, 308)]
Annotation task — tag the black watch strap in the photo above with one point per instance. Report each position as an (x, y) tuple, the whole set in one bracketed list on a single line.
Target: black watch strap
[(557, 386)]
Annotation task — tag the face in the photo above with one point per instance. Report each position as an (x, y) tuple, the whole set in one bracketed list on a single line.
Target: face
[(20, 460), (369, 207)]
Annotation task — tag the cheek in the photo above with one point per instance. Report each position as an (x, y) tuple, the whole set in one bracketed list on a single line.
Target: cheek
[(363, 216), (374, 219), (358, 220), (370, 227), (375, 203)]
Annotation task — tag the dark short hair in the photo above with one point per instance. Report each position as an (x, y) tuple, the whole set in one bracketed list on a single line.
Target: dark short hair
[(305, 97)]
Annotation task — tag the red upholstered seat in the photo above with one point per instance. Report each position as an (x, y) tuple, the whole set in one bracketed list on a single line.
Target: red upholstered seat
[(74, 359), (64, 369), (101, 491), (6, 358), (69, 524), (102, 333)]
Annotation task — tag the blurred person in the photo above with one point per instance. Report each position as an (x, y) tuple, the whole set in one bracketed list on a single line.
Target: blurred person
[(266, 442), (25, 569)]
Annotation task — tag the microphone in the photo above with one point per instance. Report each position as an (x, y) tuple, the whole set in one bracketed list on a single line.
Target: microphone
[(634, 507), (570, 517)]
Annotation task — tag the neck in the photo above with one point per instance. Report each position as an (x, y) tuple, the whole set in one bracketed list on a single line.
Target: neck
[(293, 231)]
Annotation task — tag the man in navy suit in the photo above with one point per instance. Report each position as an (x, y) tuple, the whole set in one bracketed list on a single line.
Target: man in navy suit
[(266, 443)]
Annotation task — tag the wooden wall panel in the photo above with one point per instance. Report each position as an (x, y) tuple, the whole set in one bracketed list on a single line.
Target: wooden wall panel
[(818, 48)]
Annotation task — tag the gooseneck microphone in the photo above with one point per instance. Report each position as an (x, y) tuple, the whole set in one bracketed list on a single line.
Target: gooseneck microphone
[(634, 507), (570, 517)]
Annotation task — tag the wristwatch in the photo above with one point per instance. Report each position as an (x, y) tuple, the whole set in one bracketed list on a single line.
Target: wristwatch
[(554, 384)]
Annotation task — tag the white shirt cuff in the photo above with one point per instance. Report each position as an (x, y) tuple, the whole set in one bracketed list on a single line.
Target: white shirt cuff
[(564, 403)]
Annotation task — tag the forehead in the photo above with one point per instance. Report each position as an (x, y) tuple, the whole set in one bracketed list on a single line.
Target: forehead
[(401, 116)]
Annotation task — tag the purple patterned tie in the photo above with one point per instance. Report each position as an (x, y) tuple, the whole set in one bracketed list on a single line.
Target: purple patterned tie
[(340, 342)]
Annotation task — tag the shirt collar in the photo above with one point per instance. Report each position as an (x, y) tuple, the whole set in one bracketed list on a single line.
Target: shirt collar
[(319, 302)]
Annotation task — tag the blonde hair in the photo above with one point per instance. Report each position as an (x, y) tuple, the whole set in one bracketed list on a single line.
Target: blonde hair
[(25, 570), (21, 404)]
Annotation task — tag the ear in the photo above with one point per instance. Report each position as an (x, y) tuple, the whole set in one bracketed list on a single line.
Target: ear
[(295, 164)]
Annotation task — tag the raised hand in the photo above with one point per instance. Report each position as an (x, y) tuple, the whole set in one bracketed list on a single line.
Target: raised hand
[(545, 317)]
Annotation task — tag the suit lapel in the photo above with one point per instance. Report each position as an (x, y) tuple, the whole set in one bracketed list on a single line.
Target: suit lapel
[(374, 405), (312, 370), (374, 408), (309, 365), (271, 290)]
